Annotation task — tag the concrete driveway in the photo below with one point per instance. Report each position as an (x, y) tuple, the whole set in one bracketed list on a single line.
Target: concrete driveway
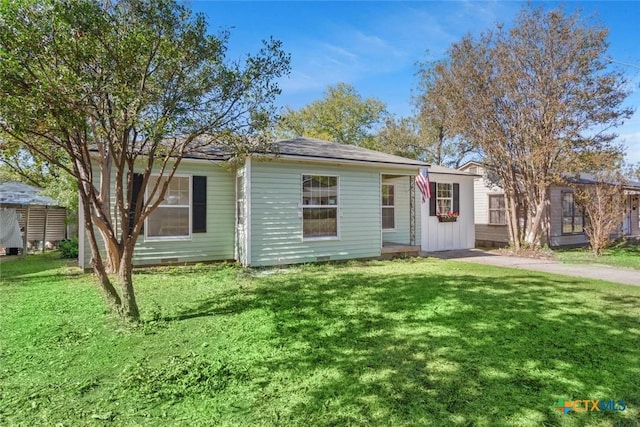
[(588, 271)]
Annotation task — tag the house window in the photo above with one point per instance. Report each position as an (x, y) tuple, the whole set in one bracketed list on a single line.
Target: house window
[(319, 206), (171, 219), (444, 197), (497, 211), (388, 207), (573, 218)]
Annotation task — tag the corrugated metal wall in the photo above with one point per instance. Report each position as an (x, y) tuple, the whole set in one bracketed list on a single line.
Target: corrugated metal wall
[(56, 227)]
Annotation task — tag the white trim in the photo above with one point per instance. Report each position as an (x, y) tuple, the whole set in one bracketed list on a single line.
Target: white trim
[(443, 198), (380, 212), (188, 237), (247, 211), (382, 206), (337, 206)]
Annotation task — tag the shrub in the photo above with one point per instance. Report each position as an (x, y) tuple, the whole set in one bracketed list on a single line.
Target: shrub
[(69, 248)]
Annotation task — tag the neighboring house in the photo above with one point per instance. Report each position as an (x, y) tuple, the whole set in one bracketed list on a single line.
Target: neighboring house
[(37, 215), (315, 201), (451, 191), (566, 218)]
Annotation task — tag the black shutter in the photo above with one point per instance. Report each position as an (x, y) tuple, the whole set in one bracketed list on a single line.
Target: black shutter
[(456, 198), (135, 190), (199, 208), (432, 201)]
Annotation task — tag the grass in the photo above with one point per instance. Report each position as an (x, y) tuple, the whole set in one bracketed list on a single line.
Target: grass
[(625, 253), (406, 342)]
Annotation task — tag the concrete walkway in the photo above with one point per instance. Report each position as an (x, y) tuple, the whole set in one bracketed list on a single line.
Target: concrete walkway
[(588, 271)]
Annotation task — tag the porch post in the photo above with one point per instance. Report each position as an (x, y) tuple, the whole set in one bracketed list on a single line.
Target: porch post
[(412, 210)]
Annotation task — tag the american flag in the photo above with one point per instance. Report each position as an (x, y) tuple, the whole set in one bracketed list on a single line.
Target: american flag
[(423, 184)]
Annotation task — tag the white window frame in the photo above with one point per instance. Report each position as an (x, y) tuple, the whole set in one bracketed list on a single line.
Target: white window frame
[(336, 207), (383, 206), (450, 185), (170, 238), (489, 209)]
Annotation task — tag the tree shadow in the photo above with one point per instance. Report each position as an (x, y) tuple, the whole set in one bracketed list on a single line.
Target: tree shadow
[(358, 347)]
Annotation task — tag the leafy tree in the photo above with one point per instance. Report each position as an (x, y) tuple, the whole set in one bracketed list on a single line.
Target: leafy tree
[(539, 99), (632, 171), (101, 89), (18, 164), (400, 136), (603, 203), (444, 143), (342, 115)]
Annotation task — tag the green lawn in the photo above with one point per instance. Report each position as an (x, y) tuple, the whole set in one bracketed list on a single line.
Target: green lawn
[(622, 254), (407, 342)]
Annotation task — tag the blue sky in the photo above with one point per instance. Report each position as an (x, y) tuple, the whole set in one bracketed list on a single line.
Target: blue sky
[(374, 45)]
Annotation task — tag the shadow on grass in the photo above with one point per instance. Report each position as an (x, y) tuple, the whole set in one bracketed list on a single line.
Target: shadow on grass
[(359, 347)]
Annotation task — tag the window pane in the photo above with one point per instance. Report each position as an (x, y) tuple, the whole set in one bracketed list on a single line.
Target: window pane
[(444, 190), (177, 192), (320, 222), (388, 195), (168, 222), (444, 205), (319, 190), (388, 218), (496, 202), (493, 217)]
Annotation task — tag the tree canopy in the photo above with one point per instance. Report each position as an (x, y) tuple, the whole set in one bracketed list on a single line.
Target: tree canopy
[(342, 115), (540, 99), (107, 89)]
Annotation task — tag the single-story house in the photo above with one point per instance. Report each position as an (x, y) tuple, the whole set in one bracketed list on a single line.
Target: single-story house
[(314, 201), (566, 218), (38, 216)]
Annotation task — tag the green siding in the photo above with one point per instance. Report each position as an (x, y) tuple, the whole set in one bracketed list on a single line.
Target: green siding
[(216, 244), (276, 213)]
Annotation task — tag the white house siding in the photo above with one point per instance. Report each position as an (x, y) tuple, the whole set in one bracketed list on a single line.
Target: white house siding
[(443, 236), (276, 213), (486, 234), (216, 244)]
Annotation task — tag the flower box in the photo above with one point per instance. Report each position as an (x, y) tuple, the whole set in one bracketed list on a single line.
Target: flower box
[(447, 218)]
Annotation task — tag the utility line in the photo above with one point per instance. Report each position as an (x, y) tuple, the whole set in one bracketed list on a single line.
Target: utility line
[(622, 63)]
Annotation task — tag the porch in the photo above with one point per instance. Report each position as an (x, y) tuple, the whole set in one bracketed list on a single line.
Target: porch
[(393, 250), (400, 223)]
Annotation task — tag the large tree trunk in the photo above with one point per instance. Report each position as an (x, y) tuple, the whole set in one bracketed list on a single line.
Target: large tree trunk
[(534, 232), (512, 220), (107, 289), (129, 306)]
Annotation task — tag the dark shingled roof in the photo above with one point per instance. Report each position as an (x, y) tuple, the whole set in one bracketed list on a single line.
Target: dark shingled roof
[(313, 148), (17, 193)]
